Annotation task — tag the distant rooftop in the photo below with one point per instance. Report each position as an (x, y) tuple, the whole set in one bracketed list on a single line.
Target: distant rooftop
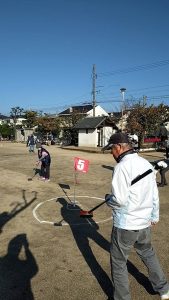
[(94, 122), (2, 117), (82, 109)]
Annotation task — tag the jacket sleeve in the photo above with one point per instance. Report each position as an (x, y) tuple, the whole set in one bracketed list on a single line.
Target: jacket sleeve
[(120, 189)]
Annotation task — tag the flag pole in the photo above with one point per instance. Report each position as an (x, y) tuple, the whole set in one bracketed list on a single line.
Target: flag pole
[(74, 187)]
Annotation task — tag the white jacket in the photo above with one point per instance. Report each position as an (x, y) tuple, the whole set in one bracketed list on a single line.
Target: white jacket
[(134, 206)]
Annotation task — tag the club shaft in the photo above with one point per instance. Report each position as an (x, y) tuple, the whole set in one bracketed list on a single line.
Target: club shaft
[(133, 182), (97, 206)]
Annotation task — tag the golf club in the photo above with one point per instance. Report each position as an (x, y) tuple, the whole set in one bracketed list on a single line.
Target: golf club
[(36, 172), (89, 214)]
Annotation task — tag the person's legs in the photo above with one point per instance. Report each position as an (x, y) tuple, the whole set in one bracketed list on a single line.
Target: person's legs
[(31, 148), (146, 252), (163, 178), (47, 173), (42, 171), (121, 244)]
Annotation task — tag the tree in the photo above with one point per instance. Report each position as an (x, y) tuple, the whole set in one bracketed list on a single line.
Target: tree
[(146, 120), (48, 124), (31, 118), (15, 113), (6, 131)]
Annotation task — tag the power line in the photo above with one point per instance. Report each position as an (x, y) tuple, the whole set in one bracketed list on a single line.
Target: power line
[(151, 87), (137, 68)]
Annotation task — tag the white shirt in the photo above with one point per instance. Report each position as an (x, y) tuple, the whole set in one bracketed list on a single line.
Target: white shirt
[(134, 206)]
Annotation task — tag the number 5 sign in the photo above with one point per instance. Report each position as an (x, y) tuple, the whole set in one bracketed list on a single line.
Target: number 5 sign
[(81, 164)]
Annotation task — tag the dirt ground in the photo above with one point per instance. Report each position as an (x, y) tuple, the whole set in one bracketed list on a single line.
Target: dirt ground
[(47, 251)]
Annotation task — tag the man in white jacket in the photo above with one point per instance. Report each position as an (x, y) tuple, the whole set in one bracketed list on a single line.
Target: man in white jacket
[(135, 209)]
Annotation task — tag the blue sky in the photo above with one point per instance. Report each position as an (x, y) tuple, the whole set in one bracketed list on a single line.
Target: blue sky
[(48, 48)]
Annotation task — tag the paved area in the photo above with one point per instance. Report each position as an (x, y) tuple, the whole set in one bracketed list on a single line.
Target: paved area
[(98, 150), (47, 251)]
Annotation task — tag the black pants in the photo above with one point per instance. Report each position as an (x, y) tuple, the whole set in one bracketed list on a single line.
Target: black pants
[(45, 171), (162, 173), (167, 152)]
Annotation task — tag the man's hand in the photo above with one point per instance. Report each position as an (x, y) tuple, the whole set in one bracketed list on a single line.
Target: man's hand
[(107, 196), (153, 223)]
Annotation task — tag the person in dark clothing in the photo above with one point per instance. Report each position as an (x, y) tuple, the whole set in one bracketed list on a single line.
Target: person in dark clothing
[(167, 147), (45, 160), (31, 143)]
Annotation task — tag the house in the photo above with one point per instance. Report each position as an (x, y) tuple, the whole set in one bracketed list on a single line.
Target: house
[(4, 119), (84, 110), (73, 114), (120, 119), (19, 121), (10, 121), (95, 131)]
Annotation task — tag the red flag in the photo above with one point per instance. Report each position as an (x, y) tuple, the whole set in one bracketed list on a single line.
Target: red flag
[(81, 164)]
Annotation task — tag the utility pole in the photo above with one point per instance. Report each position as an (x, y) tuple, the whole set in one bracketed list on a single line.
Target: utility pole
[(94, 76)]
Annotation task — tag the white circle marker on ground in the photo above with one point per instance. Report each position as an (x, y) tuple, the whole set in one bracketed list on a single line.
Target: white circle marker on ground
[(64, 223)]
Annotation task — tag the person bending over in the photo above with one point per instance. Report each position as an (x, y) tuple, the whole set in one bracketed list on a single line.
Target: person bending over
[(45, 160)]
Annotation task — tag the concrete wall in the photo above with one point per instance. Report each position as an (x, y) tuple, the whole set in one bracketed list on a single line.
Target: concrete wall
[(21, 137)]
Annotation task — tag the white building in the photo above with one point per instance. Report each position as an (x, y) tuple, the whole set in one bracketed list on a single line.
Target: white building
[(94, 131)]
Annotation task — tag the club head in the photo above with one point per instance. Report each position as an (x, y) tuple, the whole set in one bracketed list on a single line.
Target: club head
[(57, 224), (85, 214), (29, 179)]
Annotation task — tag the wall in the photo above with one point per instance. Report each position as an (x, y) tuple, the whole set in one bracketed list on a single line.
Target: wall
[(107, 132), (99, 111), (91, 139), (23, 138), (87, 140)]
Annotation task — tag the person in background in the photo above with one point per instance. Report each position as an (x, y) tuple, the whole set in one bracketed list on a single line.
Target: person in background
[(135, 210), (45, 159), (50, 138), (162, 166), (167, 147), (134, 141), (31, 141)]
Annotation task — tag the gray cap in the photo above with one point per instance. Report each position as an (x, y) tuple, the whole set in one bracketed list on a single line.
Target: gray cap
[(117, 138)]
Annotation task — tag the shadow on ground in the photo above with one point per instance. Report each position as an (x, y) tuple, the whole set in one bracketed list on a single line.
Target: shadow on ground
[(108, 167), (18, 207), (82, 235), (16, 273)]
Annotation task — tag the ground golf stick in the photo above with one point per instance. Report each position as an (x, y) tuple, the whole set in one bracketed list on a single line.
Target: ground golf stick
[(31, 178), (89, 214)]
